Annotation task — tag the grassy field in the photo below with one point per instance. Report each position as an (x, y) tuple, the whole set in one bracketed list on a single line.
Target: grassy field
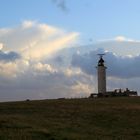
[(71, 119)]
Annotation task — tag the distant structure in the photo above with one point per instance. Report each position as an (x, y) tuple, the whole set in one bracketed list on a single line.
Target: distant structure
[(102, 92), (101, 69)]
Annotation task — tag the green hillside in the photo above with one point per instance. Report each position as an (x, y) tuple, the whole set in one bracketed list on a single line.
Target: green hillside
[(71, 119)]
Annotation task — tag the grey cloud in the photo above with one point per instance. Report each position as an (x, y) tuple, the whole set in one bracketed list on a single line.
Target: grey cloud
[(41, 86), (87, 62), (123, 67), (118, 66), (58, 60), (9, 56)]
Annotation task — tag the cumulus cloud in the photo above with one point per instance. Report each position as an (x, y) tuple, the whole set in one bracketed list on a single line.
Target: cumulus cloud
[(44, 68), (120, 45), (122, 71), (37, 62), (119, 38), (28, 71), (34, 40), (45, 83), (118, 66), (122, 38), (11, 69)]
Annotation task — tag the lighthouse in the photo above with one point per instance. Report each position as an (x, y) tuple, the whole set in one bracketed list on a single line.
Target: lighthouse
[(101, 74), (101, 70)]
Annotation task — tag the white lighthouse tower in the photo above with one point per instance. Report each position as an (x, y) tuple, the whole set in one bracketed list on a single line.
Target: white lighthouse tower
[(101, 69)]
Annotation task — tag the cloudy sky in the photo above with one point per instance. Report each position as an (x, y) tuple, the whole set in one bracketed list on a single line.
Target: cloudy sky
[(48, 48)]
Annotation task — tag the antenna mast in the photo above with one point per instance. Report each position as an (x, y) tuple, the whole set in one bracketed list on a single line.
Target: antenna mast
[(101, 55)]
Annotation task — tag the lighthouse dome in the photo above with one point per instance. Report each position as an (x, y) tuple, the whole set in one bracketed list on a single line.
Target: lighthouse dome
[(101, 62)]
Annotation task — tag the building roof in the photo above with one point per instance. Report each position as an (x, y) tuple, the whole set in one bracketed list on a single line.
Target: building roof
[(101, 62)]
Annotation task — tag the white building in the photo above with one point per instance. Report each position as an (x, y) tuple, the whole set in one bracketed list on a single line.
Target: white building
[(101, 70)]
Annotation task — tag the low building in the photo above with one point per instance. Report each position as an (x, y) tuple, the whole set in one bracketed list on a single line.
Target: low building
[(115, 93)]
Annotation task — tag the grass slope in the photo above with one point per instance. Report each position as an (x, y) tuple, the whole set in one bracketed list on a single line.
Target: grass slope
[(73, 119)]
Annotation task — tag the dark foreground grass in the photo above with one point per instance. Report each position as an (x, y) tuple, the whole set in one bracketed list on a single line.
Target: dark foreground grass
[(71, 119)]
